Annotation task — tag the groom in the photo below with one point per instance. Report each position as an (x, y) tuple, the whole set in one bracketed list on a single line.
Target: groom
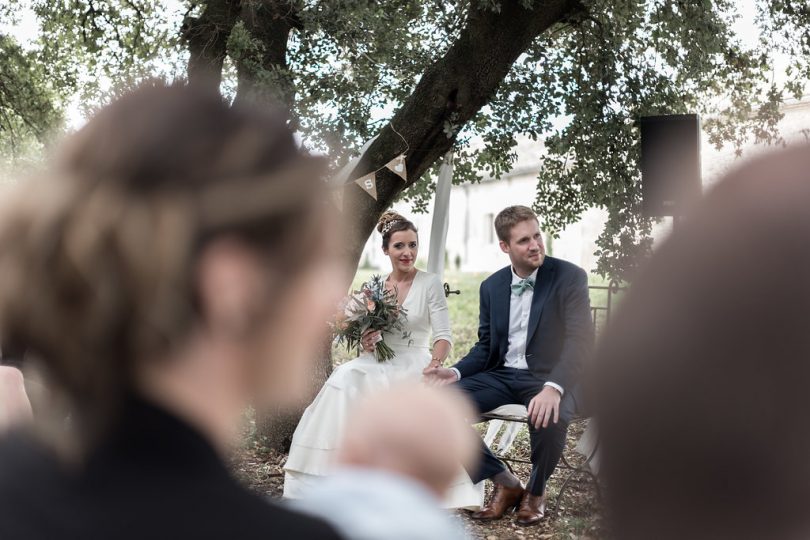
[(534, 333)]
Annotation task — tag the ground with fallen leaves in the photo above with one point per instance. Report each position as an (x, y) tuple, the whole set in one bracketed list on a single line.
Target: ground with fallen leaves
[(576, 516)]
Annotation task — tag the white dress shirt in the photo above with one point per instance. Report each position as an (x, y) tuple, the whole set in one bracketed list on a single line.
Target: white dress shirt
[(520, 308)]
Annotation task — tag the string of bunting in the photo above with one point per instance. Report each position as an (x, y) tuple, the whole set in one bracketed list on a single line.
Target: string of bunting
[(368, 182)]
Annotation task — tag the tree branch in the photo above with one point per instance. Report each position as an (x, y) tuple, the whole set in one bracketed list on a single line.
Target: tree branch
[(207, 38), (262, 70)]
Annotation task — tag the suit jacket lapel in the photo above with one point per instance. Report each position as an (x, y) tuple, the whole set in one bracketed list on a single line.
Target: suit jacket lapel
[(545, 278), (501, 298)]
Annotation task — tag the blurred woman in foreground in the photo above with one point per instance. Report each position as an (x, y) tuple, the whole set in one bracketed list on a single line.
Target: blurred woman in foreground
[(167, 275)]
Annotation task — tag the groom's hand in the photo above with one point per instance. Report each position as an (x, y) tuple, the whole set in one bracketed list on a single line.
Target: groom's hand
[(545, 407), (439, 375)]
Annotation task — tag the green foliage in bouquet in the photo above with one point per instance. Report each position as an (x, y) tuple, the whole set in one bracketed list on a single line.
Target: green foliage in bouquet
[(371, 308)]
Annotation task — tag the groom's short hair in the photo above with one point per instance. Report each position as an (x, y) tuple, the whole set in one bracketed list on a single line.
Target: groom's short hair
[(509, 217)]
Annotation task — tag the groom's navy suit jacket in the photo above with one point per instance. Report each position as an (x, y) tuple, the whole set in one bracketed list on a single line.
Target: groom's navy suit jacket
[(560, 329)]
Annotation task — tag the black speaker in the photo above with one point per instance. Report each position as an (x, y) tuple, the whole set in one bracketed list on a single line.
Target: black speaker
[(670, 163)]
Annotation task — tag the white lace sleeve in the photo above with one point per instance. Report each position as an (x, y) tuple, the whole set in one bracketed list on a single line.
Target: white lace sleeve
[(437, 306)]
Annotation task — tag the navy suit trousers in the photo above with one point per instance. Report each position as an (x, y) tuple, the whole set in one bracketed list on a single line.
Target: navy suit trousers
[(502, 386)]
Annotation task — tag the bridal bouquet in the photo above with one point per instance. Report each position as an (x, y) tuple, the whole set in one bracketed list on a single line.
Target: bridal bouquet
[(371, 308)]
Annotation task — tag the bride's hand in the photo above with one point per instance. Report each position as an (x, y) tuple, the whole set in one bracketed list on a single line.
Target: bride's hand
[(434, 363), (370, 339), (439, 376)]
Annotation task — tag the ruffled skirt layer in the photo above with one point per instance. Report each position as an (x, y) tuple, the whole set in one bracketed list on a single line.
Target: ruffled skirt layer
[(314, 444)]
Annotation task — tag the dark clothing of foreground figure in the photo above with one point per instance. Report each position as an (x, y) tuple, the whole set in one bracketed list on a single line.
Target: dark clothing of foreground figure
[(11, 355), (155, 478)]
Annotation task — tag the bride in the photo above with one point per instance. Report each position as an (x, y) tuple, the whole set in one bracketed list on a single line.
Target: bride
[(421, 294)]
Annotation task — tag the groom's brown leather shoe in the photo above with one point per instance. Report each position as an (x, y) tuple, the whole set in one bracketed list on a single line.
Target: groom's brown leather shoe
[(503, 499), (532, 509)]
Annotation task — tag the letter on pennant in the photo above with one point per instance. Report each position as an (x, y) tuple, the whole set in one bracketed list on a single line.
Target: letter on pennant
[(369, 184)]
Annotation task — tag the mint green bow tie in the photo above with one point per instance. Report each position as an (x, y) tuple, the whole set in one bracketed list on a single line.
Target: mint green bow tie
[(520, 287)]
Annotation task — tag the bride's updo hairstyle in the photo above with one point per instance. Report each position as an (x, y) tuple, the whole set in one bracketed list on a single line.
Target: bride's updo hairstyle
[(98, 258), (391, 222)]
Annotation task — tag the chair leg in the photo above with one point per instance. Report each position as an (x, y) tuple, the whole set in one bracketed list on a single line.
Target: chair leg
[(506, 440), (492, 431), (568, 480), (583, 469), (508, 464)]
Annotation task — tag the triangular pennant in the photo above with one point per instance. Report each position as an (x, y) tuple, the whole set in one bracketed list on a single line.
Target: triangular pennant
[(397, 166), (369, 184), (337, 196)]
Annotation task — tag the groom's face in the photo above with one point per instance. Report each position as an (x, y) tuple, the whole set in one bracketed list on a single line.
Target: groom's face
[(525, 247)]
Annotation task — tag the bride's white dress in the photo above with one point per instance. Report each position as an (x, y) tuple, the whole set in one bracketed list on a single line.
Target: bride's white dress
[(315, 440)]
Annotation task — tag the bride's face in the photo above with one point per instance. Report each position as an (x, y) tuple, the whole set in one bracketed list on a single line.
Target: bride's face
[(403, 247)]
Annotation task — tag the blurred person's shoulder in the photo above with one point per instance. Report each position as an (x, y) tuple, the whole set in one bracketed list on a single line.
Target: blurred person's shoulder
[(41, 498)]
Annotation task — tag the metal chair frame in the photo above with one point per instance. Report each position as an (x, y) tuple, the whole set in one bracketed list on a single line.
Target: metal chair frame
[(574, 471)]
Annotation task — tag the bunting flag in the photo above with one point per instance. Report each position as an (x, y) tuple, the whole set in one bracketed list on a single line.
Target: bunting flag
[(337, 195), (369, 184), (397, 166)]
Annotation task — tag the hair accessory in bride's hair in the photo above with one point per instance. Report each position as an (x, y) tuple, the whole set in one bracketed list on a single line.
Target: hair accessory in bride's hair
[(387, 226)]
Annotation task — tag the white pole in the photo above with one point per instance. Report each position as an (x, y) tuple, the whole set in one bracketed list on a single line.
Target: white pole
[(441, 214)]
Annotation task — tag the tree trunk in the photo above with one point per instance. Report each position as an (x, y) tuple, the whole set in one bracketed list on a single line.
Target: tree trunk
[(207, 39), (262, 71), (276, 427), (263, 78)]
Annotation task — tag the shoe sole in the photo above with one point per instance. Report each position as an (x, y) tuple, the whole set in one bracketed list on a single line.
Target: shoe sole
[(531, 523), (508, 511)]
